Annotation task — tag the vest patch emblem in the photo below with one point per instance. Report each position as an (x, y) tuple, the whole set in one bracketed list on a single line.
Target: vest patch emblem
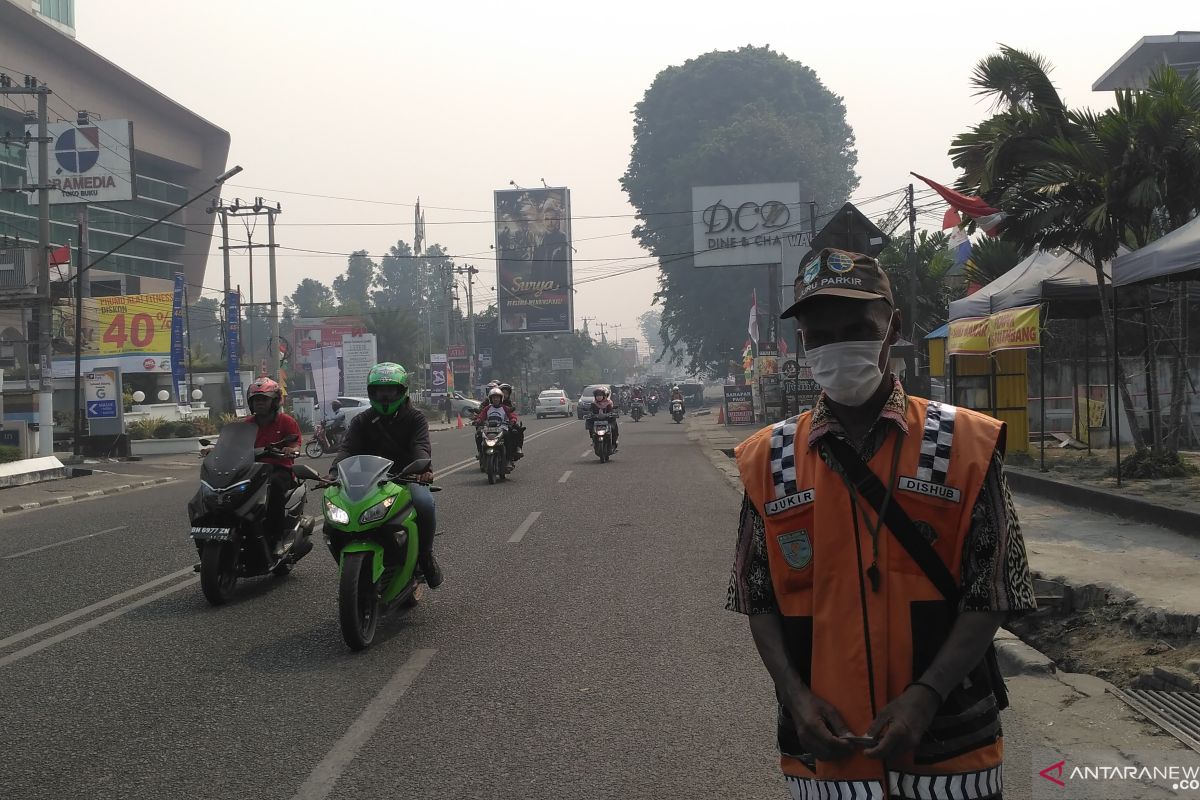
[(925, 487), (797, 549), (789, 502)]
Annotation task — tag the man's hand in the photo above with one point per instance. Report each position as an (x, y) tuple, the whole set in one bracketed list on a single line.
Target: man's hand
[(902, 723), (818, 725), (426, 476)]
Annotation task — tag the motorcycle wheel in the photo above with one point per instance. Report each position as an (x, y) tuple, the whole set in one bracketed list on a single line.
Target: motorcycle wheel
[(358, 602), (492, 469), (605, 451), (314, 450), (217, 576)]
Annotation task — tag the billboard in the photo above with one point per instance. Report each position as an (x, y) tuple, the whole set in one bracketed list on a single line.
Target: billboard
[(132, 332), (359, 354), (746, 225), (533, 260), (88, 163), (312, 332)]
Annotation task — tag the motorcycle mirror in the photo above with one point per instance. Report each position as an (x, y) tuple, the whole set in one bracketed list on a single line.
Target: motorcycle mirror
[(417, 467), (205, 442), (291, 437), (305, 473)]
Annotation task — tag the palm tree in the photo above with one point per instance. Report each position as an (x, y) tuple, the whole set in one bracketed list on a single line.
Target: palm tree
[(933, 293), (991, 258), (1085, 181)]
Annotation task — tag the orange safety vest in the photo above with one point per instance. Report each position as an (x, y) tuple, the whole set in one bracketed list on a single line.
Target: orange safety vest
[(859, 648)]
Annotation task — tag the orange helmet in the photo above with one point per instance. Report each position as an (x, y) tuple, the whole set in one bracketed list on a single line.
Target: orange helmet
[(266, 387)]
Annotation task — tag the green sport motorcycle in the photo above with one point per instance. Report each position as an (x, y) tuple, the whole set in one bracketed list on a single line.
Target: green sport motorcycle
[(371, 530)]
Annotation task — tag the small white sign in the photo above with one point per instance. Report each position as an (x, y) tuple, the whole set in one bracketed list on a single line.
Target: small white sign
[(359, 354)]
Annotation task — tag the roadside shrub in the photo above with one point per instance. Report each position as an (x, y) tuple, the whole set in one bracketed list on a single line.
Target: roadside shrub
[(165, 430), (8, 453), (203, 426), (144, 429), (184, 430), (1148, 464)]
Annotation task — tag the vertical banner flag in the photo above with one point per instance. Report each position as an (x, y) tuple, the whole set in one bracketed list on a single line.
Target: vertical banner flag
[(438, 367), (753, 327), (533, 260), (233, 324), (178, 354)]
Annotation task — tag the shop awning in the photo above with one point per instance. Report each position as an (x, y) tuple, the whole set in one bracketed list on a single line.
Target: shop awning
[(1174, 257), (1059, 278)]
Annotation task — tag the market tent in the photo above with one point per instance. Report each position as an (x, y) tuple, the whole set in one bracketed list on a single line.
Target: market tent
[(1174, 257), (1065, 281)]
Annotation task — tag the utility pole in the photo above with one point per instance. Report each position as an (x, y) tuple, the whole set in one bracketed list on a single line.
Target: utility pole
[(258, 208), (470, 272), (448, 285), (81, 250), (912, 263), (42, 305), (275, 343), (586, 320)]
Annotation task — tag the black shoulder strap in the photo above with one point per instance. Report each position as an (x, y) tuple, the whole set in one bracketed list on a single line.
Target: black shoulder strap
[(898, 522)]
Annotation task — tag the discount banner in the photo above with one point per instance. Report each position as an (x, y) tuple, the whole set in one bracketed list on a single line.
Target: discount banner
[(135, 323), (132, 332)]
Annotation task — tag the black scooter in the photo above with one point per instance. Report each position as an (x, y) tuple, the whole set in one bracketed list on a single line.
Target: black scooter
[(228, 514)]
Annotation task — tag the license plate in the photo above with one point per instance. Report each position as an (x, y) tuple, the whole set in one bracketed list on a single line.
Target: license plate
[(212, 533)]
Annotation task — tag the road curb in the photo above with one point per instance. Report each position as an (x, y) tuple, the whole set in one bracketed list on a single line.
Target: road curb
[(1017, 658), (1178, 520), (58, 501)]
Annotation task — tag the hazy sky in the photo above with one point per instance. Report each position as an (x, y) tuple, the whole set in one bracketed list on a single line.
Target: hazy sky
[(384, 100)]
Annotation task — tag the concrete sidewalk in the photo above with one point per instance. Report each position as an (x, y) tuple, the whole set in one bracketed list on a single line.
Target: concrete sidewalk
[(106, 477)]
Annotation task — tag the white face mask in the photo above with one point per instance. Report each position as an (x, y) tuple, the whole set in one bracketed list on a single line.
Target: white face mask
[(848, 371)]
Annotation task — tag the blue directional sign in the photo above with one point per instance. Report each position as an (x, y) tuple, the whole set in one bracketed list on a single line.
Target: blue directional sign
[(101, 409)]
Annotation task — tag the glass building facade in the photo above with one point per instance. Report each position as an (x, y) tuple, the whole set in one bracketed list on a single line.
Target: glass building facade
[(59, 13)]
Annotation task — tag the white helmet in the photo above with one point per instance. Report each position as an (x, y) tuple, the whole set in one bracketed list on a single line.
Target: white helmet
[(495, 392)]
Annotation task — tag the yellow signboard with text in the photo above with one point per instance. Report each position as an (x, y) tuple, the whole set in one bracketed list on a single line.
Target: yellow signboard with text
[(1014, 329), (135, 323)]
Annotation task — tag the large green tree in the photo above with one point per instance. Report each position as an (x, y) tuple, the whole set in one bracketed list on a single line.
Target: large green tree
[(311, 299), (727, 117), (353, 288)]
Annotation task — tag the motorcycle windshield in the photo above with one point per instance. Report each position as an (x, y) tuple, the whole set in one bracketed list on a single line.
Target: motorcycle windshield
[(232, 454), (360, 475)]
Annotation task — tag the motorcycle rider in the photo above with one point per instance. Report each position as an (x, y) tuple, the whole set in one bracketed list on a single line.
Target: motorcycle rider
[(264, 396), (497, 408), (677, 394), (335, 426), (518, 430), (395, 429), (601, 406), (653, 402)]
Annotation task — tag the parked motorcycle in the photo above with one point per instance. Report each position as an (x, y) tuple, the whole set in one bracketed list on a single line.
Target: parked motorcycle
[(322, 443), (371, 531), (228, 514), (493, 454), (637, 411), (677, 410), (602, 436)]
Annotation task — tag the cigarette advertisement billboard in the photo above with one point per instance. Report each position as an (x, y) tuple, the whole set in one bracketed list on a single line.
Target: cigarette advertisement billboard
[(533, 260)]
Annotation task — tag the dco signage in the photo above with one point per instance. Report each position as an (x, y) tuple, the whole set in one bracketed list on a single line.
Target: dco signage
[(745, 225)]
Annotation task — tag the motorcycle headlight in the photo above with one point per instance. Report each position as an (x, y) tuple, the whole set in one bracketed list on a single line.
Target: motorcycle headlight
[(377, 511), (336, 514)]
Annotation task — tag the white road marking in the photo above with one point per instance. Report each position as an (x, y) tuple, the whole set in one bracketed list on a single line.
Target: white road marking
[(325, 775), (65, 541), (566, 476), (116, 598), (93, 623), (525, 526), (585, 453)]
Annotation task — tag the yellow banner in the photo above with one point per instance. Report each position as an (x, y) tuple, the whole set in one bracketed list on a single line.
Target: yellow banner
[(969, 337), (1014, 329), (135, 323)]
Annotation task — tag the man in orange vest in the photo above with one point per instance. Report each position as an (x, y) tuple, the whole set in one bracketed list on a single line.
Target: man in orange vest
[(878, 554)]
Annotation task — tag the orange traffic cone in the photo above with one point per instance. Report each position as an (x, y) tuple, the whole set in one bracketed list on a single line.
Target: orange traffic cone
[(721, 416), (460, 425)]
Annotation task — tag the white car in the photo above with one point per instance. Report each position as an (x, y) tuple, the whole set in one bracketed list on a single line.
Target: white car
[(554, 402)]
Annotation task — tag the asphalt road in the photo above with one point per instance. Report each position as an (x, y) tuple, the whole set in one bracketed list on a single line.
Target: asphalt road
[(577, 649)]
